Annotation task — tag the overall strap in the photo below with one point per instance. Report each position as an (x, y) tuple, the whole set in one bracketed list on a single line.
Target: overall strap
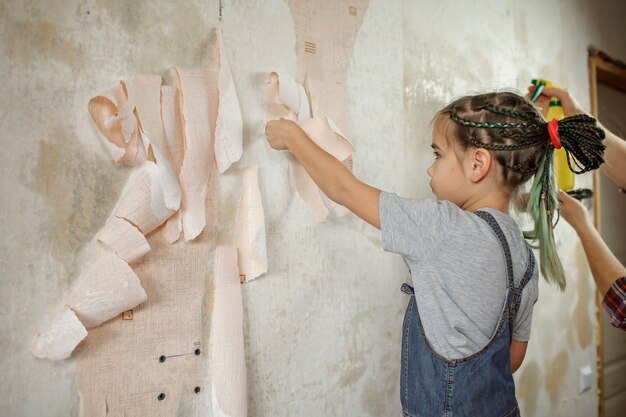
[(491, 221), (530, 268), (514, 297), (528, 274)]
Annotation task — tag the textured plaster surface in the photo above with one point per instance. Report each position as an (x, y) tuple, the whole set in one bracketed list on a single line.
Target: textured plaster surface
[(322, 328)]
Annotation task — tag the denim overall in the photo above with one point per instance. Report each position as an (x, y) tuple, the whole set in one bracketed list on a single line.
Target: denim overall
[(480, 385)]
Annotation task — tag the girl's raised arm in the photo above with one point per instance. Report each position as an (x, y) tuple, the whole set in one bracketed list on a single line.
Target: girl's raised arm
[(333, 178)]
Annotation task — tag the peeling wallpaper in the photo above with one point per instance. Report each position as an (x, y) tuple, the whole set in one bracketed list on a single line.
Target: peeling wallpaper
[(322, 328)]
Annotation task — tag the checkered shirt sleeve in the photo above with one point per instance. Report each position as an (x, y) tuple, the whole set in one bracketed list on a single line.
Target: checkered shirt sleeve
[(614, 303)]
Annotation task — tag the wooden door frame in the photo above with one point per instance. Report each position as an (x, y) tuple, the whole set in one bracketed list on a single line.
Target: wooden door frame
[(606, 70)]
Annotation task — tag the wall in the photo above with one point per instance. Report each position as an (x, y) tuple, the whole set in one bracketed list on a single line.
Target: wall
[(323, 327)]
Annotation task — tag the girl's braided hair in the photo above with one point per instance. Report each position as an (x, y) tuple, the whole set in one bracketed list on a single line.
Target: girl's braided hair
[(516, 133)]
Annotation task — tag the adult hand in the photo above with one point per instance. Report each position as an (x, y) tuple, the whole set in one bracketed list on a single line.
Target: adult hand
[(571, 107), (573, 211), (279, 132)]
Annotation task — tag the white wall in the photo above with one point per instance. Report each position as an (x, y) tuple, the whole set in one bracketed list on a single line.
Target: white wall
[(323, 327)]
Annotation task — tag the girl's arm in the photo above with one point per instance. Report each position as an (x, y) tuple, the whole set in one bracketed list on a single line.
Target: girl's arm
[(518, 351), (333, 178)]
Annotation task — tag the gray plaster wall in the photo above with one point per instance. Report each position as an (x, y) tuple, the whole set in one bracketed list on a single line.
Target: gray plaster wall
[(322, 328)]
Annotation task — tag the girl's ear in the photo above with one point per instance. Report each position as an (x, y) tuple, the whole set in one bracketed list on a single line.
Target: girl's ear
[(480, 164)]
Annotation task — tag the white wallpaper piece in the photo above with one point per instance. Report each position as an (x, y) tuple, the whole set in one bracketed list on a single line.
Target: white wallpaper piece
[(229, 124), (109, 287), (250, 236), (61, 338), (227, 360), (199, 103)]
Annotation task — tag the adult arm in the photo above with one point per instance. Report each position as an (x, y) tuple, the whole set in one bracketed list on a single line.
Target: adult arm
[(605, 267), (333, 178), (615, 158)]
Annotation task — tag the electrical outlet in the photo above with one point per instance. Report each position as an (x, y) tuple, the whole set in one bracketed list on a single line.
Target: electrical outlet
[(585, 378)]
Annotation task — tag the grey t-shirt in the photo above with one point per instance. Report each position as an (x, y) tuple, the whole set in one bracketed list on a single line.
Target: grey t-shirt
[(458, 270)]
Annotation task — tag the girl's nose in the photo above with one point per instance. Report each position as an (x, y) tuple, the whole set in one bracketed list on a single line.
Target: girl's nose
[(429, 171)]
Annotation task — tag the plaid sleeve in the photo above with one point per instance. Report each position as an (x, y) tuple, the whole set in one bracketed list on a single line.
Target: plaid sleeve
[(615, 303)]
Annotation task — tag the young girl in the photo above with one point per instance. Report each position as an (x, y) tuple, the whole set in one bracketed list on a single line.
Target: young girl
[(467, 324)]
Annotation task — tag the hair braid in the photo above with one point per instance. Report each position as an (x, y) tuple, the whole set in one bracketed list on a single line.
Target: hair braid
[(493, 125), (582, 141), (529, 116), (502, 147)]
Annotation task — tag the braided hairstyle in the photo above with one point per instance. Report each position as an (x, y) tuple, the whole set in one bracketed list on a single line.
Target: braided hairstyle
[(517, 135)]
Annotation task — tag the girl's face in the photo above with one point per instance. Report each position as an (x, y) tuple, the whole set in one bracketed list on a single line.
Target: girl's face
[(448, 178)]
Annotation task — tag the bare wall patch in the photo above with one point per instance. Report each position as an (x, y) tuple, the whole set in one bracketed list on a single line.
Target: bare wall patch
[(81, 189)]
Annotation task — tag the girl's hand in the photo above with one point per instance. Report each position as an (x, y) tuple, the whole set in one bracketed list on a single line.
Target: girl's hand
[(280, 132), (573, 211), (571, 107)]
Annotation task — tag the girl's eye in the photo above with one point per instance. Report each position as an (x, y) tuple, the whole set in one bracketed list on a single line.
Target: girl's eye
[(437, 156)]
